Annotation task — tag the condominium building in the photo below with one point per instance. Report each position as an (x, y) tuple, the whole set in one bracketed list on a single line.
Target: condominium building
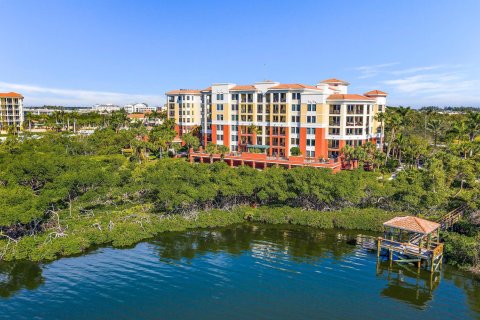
[(272, 117), (11, 111)]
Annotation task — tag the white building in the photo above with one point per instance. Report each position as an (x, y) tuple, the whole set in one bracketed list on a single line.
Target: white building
[(11, 111), (106, 108), (138, 108)]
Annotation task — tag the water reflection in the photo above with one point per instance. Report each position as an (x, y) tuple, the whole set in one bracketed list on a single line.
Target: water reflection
[(18, 275), (406, 284), (293, 241)]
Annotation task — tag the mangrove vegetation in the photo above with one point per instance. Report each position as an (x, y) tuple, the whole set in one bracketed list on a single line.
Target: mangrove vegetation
[(62, 193)]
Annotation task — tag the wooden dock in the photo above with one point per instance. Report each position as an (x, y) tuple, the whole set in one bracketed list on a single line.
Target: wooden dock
[(412, 240)]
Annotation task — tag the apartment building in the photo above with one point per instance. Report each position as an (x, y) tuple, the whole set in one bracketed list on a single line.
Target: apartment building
[(11, 111), (271, 117)]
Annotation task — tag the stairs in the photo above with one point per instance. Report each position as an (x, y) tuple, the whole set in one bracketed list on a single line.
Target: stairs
[(449, 219)]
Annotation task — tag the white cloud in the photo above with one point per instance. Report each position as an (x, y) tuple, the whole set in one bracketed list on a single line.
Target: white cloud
[(447, 88), (373, 70), (37, 96), (415, 70)]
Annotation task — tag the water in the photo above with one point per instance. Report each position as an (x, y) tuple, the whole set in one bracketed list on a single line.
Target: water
[(240, 272)]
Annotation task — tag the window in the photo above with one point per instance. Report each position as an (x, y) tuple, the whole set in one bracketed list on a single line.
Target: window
[(311, 107), (310, 154), (380, 108), (295, 107), (234, 128), (296, 95), (259, 108), (335, 109), (259, 97), (188, 97), (235, 138), (295, 118), (219, 117), (275, 97), (334, 131), (333, 144), (233, 148), (311, 142), (311, 119), (234, 107), (295, 130), (219, 137), (220, 96), (259, 118), (310, 130), (220, 127), (219, 107), (235, 96), (294, 141), (234, 117)]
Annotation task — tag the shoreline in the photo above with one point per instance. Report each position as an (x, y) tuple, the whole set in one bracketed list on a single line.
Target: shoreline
[(125, 229)]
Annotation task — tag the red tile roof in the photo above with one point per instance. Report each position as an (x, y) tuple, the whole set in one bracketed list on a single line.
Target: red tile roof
[(355, 97), (413, 224), (335, 81), (184, 91), (207, 89), (244, 88), (376, 93), (293, 86), (11, 95), (136, 116)]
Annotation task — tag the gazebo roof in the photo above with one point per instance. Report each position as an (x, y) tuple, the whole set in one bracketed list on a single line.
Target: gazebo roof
[(413, 224)]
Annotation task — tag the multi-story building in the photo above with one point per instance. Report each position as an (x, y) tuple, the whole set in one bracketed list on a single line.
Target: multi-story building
[(273, 118), (11, 111), (139, 108)]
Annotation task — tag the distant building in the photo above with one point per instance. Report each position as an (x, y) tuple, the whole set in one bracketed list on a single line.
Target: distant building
[(11, 111), (138, 108), (106, 108), (49, 111)]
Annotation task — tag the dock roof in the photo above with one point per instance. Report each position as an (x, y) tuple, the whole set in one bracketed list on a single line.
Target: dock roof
[(413, 224)]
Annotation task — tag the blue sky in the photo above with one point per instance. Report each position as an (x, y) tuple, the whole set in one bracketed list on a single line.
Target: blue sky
[(74, 52)]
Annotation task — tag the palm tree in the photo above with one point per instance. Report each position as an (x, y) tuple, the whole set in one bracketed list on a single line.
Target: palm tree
[(459, 130), (190, 141), (139, 143), (29, 118), (394, 121), (254, 130), (400, 143), (428, 113), (473, 124), (404, 113), (211, 149), (435, 126), (380, 117), (348, 153), (74, 116), (222, 150)]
